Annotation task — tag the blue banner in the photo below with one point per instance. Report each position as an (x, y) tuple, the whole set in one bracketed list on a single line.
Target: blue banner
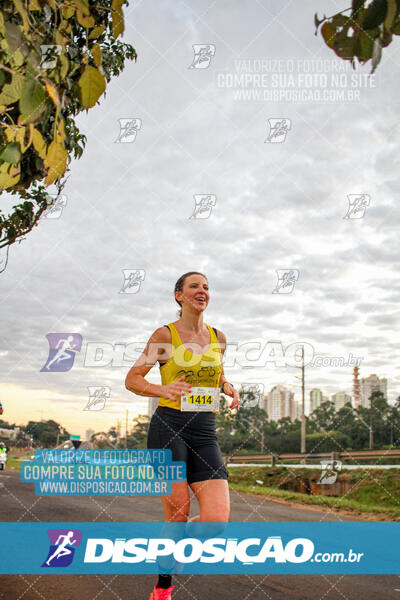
[(194, 548), (103, 472)]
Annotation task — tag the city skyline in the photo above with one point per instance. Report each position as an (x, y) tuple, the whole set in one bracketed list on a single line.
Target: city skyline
[(103, 421)]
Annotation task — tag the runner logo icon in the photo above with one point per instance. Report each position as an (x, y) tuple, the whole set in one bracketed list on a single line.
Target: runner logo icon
[(62, 547), (63, 347)]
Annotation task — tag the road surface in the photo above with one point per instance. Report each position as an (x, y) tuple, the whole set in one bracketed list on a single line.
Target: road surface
[(19, 503)]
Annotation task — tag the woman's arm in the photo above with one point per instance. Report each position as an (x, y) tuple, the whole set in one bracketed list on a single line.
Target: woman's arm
[(157, 348), (222, 344), (229, 390), (135, 380)]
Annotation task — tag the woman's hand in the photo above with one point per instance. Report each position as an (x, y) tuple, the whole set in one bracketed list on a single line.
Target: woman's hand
[(176, 388), (229, 390)]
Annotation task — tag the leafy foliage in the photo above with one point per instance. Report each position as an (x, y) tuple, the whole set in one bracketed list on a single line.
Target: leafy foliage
[(361, 35), (46, 433), (250, 431), (56, 57)]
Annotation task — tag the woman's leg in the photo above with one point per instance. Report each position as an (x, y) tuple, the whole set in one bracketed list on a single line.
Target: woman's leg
[(176, 510), (162, 435), (213, 498), (177, 505)]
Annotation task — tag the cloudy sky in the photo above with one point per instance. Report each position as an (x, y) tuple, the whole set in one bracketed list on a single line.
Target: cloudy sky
[(275, 205)]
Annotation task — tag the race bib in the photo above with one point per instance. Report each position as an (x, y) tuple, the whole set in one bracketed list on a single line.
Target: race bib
[(201, 398)]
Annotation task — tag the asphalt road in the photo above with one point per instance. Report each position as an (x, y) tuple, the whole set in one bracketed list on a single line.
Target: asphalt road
[(19, 503)]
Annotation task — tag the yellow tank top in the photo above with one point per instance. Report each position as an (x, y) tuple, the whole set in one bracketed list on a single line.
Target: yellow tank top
[(199, 369)]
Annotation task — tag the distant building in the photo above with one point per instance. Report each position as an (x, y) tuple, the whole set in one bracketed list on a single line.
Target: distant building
[(369, 385), (356, 387), (88, 434), (297, 411), (281, 403), (10, 434), (152, 405), (315, 399), (340, 399), (263, 401)]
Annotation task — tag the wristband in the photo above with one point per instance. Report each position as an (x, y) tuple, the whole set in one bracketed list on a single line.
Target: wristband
[(222, 386)]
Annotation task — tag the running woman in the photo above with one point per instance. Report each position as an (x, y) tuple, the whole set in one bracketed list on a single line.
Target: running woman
[(189, 353)]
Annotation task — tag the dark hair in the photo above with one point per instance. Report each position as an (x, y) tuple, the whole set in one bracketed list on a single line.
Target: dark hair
[(179, 285)]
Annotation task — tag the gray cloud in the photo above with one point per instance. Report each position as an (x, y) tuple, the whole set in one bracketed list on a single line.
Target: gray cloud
[(278, 206)]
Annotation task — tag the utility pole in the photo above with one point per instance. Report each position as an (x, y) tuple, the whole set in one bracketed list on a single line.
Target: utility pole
[(262, 435), (303, 416), (371, 433), (126, 429), (391, 432)]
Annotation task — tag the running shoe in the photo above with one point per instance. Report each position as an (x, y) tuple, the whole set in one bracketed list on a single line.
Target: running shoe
[(161, 593)]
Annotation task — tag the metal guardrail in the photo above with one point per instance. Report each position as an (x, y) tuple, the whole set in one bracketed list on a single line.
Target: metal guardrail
[(346, 455)]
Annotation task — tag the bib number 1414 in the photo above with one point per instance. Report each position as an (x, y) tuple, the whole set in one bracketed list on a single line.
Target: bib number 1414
[(201, 398)]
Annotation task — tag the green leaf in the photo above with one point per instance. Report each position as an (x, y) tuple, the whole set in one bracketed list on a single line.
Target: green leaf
[(39, 143), (9, 177), (335, 30), (96, 53), (64, 66), (340, 20), (375, 15), (85, 20), (32, 101), (96, 32), (391, 13), (365, 46), (11, 92), (91, 85), (345, 48), (328, 31), (56, 161), (24, 15), (11, 153), (83, 6), (386, 38), (117, 18), (13, 36), (18, 58), (355, 6)]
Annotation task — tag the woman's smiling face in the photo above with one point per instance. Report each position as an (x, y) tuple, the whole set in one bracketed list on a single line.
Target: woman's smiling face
[(195, 292)]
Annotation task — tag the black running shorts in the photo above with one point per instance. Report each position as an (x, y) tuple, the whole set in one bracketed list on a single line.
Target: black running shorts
[(192, 438)]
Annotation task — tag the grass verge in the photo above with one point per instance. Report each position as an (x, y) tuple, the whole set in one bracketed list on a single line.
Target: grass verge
[(373, 492)]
